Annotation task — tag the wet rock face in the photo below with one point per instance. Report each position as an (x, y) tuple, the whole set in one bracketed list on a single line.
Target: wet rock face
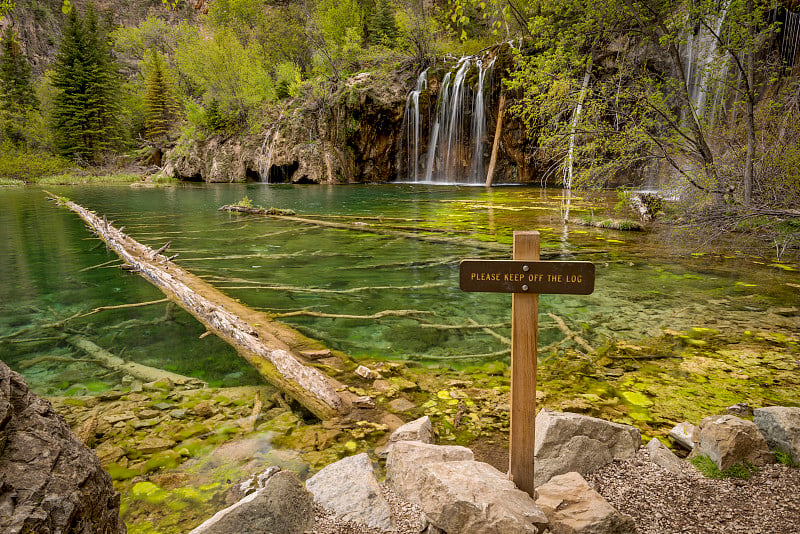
[(49, 481)]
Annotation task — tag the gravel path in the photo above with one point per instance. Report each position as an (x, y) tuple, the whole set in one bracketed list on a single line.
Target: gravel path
[(659, 502)]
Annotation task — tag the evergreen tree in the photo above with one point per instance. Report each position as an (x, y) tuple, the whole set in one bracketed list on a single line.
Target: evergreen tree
[(85, 77), (17, 96), (383, 26), (159, 97), (16, 87)]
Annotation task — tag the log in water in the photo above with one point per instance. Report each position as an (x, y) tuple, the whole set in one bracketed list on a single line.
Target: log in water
[(270, 347)]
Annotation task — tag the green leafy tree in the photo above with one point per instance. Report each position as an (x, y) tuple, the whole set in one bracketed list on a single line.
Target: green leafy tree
[(17, 96), (159, 97), (226, 74), (85, 77)]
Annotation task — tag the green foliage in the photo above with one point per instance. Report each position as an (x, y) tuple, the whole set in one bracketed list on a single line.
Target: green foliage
[(785, 458), (287, 80), (17, 163), (85, 76), (244, 202), (382, 25), (18, 102), (230, 77), (160, 105), (706, 465)]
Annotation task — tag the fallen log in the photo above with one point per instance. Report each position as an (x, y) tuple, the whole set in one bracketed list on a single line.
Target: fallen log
[(268, 346), (367, 228), (138, 371)]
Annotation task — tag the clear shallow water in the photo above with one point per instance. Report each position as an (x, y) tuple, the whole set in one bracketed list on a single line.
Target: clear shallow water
[(51, 269)]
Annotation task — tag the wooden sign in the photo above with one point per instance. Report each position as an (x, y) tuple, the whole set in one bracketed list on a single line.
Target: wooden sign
[(515, 276), (525, 276)]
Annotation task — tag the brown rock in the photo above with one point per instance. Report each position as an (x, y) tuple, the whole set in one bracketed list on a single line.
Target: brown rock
[(49, 481), (573, 507), (729, 440)]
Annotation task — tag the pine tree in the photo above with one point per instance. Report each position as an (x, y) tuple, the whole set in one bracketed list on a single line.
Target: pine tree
[(16, 87), (85, 77), (159, 97), (17, 96), (383, 26)]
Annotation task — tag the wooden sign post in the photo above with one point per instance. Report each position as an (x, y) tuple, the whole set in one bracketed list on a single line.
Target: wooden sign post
[(525, 276)]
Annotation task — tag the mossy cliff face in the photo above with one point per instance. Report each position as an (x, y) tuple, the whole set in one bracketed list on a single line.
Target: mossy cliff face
[(336, 134)]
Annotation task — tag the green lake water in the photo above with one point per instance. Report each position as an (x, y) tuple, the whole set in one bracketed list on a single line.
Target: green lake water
[(52, 268)]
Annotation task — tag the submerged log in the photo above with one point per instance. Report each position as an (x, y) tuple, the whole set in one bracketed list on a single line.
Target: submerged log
[(138, 371), (268, 346), (367, 228)]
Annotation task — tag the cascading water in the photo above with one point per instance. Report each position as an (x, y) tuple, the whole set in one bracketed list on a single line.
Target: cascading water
[(411, 130), (267, 147), (454, 152), (706, 68)]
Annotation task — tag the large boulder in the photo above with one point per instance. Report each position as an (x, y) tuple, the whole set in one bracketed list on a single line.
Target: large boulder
[(49, 481), (281, 506), (469, 497), (405, 457), (780, 426), (568, 442), (358, 499), (573, 507), (729, 440)]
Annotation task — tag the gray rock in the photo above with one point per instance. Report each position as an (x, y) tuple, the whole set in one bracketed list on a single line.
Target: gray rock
[(661, 455), (417, 430), (729, 440), (781, 428), (49, 481), (681, 434), (575, 508), (408, 456), (469, 497), (282, 506), (349, 489), (572, 442)]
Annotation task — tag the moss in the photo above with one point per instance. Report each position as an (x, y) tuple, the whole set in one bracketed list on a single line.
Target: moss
[(709, 468)]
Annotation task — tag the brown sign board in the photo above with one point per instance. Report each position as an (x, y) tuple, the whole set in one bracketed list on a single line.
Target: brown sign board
[(519, 276)]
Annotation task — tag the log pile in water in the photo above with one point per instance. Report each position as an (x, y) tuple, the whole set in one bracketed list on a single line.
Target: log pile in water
[(268, 346)]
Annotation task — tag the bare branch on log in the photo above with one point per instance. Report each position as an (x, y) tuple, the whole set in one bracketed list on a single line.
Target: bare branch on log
[(379, 315), (162, 248), (487, 330), (570, 334)]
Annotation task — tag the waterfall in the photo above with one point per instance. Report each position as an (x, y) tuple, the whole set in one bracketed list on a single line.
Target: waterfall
[(706, 68), (267, 147), (411, 129), (454, 152), (790, 37)]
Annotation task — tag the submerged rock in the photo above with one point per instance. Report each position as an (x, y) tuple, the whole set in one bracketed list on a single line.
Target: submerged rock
[(50, 481)]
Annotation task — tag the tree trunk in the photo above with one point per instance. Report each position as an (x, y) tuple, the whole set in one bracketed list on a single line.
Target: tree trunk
[(575, 117), (751, 127), (496, 145), (266, 345)]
